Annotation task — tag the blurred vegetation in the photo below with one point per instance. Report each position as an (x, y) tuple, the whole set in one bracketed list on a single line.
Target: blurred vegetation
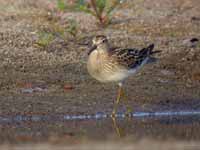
[(46, 36), (102, 10), (72, 28)]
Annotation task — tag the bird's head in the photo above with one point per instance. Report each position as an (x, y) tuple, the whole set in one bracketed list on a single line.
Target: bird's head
[(99, 41)]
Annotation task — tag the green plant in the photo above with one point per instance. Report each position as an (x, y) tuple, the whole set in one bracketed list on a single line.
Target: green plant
[(55, 30), (61, 31), (72, 28), (44, 38), (100, 9), (61, 5)]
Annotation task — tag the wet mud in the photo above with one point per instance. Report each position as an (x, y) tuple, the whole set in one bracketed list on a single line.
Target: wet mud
[(47, 95)]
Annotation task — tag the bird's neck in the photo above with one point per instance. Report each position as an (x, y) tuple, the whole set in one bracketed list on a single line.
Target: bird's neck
[(103, 48)]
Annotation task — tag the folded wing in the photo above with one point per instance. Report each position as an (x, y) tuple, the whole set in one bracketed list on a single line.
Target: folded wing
[(131, 58)]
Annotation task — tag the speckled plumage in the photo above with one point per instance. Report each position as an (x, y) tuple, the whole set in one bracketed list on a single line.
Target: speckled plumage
[(114, 65), (107, 64)]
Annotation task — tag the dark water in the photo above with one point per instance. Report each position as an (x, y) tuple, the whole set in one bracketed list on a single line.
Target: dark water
[(176, 124)]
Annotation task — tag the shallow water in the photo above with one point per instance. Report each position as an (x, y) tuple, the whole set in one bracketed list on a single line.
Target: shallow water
[(98, 116), (174, 123)]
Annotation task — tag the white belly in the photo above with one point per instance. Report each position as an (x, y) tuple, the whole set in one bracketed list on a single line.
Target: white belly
[(114, 77)]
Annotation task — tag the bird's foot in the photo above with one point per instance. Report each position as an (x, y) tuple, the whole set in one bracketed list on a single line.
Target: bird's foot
[(113, 115), (128, 111)]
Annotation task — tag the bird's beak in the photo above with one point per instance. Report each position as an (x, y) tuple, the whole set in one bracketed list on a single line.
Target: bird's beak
[(92, 48)]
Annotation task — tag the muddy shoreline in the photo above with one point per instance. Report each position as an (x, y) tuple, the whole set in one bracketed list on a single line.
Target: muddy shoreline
[(53, 79)]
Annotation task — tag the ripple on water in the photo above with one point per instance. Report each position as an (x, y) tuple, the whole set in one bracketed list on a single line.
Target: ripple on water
[(97, 116)]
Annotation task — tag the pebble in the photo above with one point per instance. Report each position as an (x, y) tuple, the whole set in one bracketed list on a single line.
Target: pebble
[(167, 72), (31, 90), (192, 42)]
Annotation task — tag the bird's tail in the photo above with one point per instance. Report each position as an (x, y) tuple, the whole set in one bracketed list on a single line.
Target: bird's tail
[(149, 50)]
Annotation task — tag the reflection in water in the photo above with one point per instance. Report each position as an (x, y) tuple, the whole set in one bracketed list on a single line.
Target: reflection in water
[(158, 124), (116, 127), (99, 115), (120, 131)]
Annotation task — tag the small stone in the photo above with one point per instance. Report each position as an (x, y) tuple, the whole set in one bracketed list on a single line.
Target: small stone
[(191, 42), (27, 90), (167, 72), (194, 18), (39, 89), (68, 87), (196, 76)]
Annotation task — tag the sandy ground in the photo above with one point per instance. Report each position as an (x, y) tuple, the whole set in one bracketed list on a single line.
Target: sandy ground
[(59, 68), (53, 79), (108, 146)]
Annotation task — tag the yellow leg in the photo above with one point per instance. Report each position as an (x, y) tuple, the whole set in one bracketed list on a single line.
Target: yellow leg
[(128, 108), (120, 94), (117, 100)]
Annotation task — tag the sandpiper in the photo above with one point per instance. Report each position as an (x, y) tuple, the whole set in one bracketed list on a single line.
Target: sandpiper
[(107, 64)]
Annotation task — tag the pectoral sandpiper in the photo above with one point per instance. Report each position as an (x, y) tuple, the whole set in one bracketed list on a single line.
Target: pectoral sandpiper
[(106, 64)]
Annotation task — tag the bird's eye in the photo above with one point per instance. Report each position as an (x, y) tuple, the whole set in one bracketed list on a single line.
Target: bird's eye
[(104, 41)]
